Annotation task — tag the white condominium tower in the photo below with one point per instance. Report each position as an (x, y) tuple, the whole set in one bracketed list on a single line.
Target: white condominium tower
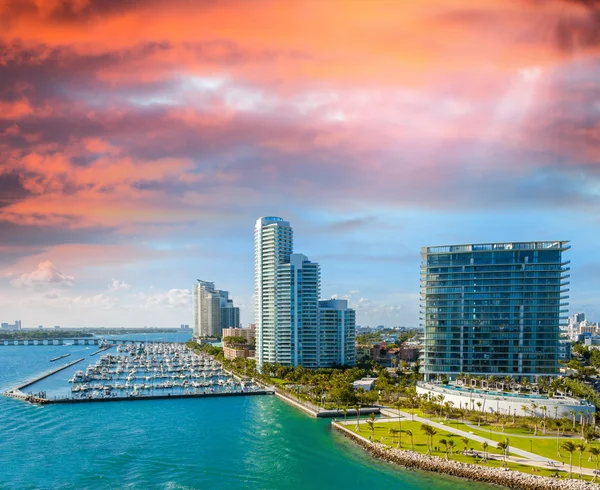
[(213, 310), (291, 327), (272, 247)]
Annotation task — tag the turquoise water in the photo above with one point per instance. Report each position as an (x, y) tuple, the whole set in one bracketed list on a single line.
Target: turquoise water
[(230, 443)]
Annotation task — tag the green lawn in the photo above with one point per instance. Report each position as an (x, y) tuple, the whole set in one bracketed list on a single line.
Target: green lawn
[(545, 447), (381, 434)]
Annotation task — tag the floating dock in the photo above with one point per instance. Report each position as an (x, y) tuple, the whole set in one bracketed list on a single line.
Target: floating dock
[(59, 357)]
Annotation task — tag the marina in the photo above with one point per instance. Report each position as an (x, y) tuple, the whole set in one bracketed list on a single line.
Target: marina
[(141, 371)]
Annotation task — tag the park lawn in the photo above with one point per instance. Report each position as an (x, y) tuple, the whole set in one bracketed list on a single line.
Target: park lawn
[(419, 438), (278, 381), (381, 434), (545, 447)]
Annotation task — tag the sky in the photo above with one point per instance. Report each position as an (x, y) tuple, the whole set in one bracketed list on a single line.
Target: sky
[(141, 139)]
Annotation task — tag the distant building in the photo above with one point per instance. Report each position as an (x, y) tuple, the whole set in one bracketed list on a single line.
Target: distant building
[(184, 326), (577, 325), (11, 326), (564, 349), (213, 310)]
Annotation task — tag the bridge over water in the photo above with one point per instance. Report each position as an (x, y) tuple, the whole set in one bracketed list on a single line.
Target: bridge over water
[(76, 341)]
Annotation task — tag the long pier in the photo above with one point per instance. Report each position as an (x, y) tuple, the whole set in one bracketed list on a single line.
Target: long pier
[(48, 374), (18, 393), (157, 397)]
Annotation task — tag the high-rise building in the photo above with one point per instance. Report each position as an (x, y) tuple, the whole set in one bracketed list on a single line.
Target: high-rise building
[(273, 243), (297, 317), (213, 310), (288, 314), (493, 309), (337, 334)]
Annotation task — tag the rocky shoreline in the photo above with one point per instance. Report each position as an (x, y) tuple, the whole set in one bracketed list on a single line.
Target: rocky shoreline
[(507, 478)]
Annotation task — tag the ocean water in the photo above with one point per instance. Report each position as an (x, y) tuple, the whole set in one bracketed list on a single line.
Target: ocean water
[(223, 443)]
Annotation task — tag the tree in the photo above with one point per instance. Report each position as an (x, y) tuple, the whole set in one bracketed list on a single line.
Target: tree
[(503, 446), (572, 412), (484, 445), (558, 423), (371, 425), (451, 445), (429, 432), (410, 434), (445, 443), (589, 434), (595, 451), (581, 448), (465, 441), (393, 431), (569, 447), (357, 418)]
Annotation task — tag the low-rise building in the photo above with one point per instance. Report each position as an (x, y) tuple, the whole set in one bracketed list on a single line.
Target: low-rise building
[(366, 384), (247, 333), (236, 351)]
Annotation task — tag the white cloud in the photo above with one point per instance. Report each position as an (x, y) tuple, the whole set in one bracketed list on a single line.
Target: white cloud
[(44, 276), (174, 298), (117, 285)]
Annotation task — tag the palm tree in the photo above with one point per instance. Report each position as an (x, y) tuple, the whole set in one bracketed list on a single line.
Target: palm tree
[(572, 412), (503, 446), (581, 448), (393, 433), (357, 418), (569, 447), (345, 412), (558, 425), (595, 451), (465, 441), (451, 445), (371, 425), (484, 445), (429, 432), (410, 434), (534, 417), (445, 443), (397, 406)]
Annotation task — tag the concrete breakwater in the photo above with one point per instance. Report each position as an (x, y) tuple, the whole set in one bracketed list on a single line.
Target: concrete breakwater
[(499, 476)]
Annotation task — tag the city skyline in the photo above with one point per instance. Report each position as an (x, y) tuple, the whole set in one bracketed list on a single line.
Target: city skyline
[(135, 155)]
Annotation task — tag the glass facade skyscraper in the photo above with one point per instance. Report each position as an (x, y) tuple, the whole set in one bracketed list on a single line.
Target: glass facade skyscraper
[(493, 308)]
